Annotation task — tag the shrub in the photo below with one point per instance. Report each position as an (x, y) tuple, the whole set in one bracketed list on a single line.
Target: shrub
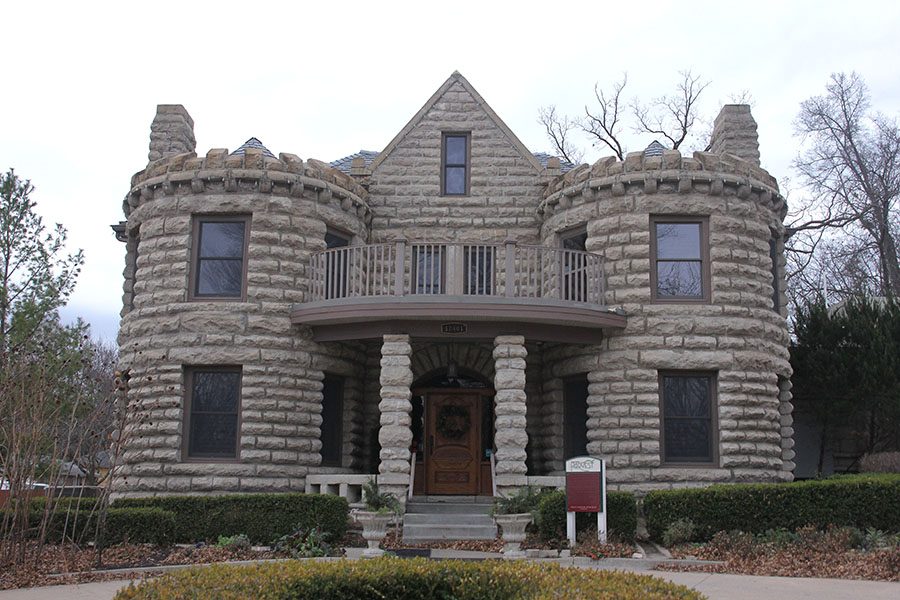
[(621, 518), (378, 501), (138, 525), (261, 517), (304, 543), (525, 500), (859, 501), (413, 579), (234, 542), (678, 532), (880, 462)]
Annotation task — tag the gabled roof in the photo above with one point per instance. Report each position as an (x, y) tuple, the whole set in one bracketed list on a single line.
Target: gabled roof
[(253, 143), (454, 78), (344, 164)]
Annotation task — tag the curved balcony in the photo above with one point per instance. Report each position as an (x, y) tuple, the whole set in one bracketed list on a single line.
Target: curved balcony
[(447, 289)]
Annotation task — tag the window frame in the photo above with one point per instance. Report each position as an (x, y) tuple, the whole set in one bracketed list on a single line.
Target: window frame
[(444, 165), (712, 378), (197, 221), (705, 284), (187, 412), (341, 385)]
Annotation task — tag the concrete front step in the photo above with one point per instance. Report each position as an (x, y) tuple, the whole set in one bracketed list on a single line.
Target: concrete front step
[(440, 518), (431, 533), (446, 519), (447, 508)]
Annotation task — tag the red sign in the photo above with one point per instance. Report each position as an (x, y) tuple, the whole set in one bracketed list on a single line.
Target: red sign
[(583, 492)]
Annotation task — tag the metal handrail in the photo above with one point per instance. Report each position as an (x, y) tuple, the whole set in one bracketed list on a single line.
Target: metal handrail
[(423, 268)]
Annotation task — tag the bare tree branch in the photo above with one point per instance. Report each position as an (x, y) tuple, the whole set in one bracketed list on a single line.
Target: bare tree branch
[(604, 124), (673, 116), (558, 129)]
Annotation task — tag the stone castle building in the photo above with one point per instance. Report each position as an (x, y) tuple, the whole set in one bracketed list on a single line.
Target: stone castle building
[(453, 313)]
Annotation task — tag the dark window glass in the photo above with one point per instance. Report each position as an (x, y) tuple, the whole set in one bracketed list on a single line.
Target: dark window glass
[(575, 417), (479, 270), (455, 164), (679, 260), (574, 266), (687, 418), (214, 407), (428, 263), (335, 240), (332, 419), (220, 258)]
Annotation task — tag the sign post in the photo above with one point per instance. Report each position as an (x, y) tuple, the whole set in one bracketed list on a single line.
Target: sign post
[(585, 492)]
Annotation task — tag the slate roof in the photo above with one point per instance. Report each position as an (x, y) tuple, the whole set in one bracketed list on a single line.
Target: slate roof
[(654, 149), (343, 164), (253, 143)]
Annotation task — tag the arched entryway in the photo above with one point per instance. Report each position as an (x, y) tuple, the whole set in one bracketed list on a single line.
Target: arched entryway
[(453, 432)]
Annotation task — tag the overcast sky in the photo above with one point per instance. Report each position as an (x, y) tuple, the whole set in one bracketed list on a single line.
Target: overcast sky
[(81, 81)]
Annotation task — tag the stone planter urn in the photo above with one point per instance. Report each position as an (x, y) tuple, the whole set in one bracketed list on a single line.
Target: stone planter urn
[(513, 533), (374, 526)]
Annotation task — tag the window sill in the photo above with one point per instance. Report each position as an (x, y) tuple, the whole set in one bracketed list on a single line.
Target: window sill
[(689, 465)]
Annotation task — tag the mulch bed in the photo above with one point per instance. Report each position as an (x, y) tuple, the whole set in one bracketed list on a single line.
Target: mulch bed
[(56, 566), (792, 561)]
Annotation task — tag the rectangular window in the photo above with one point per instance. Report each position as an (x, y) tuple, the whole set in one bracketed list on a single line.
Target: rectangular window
[(332, 420), (479, 270), (428, 269), (575, 395), (574, 265), (219, 256), (688, 408), (212, 410), (679, 252), (455, 164), (337, 264)]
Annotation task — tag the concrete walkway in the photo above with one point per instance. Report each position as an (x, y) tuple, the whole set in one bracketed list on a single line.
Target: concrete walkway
[(715, 586)]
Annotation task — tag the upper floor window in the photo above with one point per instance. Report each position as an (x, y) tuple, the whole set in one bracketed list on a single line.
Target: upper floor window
[(679, 253), (455, 164), (212, 409), (688, 408), (220, 256)]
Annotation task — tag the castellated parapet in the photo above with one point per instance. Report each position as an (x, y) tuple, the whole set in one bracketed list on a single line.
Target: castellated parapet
[(292, 202), (736, 333)]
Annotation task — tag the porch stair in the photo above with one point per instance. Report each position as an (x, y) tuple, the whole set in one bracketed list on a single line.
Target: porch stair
[(441, 518)]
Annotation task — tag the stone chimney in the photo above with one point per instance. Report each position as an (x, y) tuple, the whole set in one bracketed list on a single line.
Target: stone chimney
[(734, 132), (172, 132)]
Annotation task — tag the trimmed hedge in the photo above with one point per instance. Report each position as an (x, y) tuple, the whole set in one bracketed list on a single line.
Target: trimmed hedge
[(261, 517), (621, 518), (860, 501), (398, 579), (136, 525)]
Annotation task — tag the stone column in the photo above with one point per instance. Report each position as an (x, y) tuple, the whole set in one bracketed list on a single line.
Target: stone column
[(510, 436), (395, 434)]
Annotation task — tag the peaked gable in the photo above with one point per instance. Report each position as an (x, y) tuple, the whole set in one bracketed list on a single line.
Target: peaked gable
[(456, 77)]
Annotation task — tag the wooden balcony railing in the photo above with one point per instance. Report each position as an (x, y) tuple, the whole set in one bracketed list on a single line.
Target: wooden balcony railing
[(500, 270)]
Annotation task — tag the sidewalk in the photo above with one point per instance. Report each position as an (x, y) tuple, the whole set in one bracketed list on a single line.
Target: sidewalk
[(715, 586)]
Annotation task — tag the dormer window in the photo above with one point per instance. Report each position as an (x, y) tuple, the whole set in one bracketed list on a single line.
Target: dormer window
[(455, 164)]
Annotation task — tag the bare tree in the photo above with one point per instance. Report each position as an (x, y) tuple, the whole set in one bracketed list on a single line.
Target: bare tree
[(671, 116), (559, 129), (845, 236), (603, 124)]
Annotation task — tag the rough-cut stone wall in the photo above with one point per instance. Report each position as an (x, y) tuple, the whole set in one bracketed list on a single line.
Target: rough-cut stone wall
[(510, 436), (505, 185), (395, 435), (290, 203), (534, 410), (737, 335), (172, 132), (734, 132), (348, 360)]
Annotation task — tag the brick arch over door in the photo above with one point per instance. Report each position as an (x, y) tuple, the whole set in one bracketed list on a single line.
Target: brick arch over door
[(430, 357)]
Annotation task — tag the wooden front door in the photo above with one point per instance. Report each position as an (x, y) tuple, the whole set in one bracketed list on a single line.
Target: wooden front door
[(453, 458)]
